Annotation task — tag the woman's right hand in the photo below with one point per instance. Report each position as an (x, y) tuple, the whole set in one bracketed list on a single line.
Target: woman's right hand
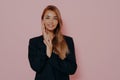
[(47, 40)]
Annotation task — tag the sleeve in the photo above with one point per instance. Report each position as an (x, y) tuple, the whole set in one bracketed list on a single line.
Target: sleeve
[(68, 65), (36, 56)]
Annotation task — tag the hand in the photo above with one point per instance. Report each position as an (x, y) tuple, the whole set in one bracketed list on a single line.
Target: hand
[(47, 40)]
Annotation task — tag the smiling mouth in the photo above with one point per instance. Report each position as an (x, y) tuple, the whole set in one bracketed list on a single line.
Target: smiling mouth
[(50, 25)]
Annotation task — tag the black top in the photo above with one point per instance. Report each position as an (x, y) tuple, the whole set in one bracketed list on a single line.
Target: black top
[(52, 68)]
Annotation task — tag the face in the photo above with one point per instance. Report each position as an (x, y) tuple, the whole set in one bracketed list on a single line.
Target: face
[(50, 20)]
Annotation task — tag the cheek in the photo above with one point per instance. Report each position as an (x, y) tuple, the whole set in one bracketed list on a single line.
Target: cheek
[(45, 22), (56, 22)]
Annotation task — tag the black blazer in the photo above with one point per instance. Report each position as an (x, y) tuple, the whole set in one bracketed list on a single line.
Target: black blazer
[(52, 68)]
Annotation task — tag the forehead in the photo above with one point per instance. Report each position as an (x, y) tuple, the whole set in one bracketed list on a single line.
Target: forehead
[(50, 13)]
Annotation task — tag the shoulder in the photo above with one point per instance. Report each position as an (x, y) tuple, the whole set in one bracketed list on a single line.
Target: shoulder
[(36, 39), (70, 42), (67, 38)]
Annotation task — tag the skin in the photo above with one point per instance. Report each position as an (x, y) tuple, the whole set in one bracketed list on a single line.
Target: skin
[(49, 24)]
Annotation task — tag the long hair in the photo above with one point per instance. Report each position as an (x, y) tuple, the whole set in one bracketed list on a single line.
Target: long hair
[(59, 44)]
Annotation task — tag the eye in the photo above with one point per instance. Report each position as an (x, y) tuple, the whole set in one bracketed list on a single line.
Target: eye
[(55, 18), (47, 18)]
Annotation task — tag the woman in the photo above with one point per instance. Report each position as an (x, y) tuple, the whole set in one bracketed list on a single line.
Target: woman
[(52, 55)]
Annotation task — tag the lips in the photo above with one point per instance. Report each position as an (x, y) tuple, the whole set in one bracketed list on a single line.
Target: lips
[(50, 25)]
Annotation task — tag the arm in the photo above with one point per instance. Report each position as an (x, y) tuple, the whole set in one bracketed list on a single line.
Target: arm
[(36, 56), (68, 65)]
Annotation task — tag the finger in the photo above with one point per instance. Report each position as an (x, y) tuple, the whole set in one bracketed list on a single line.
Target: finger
[(48, 41), (45, 42), (43, 31), (43, 27), (46, 36)]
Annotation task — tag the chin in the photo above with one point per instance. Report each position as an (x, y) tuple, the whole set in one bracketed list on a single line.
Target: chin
[(50, 29)]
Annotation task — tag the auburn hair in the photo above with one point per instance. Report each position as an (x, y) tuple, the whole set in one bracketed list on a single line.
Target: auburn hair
[(59, 44)]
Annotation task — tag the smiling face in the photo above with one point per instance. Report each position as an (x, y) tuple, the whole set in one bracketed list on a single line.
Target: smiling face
[(50, 20)]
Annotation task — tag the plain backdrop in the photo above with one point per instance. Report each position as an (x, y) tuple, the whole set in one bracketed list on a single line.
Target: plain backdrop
[(93, 24)]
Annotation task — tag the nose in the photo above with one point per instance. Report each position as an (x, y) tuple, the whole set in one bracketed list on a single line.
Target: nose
[(51, 20)]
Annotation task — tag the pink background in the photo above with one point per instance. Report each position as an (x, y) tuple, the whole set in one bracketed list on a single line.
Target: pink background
[(93, 24)]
